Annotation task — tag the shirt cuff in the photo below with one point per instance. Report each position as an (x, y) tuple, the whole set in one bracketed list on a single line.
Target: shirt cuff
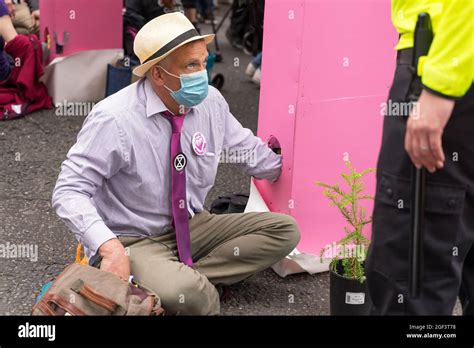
[(96, 235), (277, 169)]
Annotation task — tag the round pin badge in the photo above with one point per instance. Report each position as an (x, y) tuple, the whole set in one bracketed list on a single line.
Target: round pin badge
[(179, 162), (199, 144)]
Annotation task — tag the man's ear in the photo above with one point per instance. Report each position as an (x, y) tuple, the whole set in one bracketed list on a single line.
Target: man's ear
[(156, 75)]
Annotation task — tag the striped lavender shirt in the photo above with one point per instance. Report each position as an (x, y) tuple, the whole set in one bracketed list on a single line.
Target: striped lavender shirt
[(116, 178)]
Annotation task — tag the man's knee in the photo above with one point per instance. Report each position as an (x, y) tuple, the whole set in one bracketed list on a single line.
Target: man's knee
[(289, 231), (190, 296)]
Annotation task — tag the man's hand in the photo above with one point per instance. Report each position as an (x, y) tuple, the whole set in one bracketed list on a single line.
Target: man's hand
[(11, 8), (35, 16), (424, 130), (114, 259)]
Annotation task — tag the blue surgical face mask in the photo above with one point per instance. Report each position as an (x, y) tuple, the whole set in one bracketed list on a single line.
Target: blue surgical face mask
[(194, 88)]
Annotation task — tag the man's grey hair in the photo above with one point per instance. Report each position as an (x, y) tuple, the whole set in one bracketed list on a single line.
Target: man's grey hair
[(165, 63)]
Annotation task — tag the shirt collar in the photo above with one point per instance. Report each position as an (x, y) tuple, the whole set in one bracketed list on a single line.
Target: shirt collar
[(154, 105)]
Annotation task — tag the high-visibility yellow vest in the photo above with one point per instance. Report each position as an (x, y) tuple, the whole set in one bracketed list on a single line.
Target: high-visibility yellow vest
[(449, 66)]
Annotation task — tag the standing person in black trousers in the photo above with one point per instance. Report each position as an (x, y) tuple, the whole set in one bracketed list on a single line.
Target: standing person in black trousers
[(437, 134)]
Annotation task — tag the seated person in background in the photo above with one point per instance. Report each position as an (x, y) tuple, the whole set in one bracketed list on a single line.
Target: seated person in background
[(7, 33), (25, 15), (21, 92)]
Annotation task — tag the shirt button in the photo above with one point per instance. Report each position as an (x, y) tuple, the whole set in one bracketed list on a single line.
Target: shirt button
[(389, 192)]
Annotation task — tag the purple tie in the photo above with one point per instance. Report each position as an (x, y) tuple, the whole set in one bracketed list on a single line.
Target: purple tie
[(178, 189)]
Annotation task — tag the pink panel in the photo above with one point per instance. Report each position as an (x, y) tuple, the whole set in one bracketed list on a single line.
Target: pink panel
[(334, 133), (345, 66), (352, 55), (91, 25), (279, 91)]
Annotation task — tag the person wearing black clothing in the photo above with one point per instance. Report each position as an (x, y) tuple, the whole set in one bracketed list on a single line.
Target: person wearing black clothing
[(140, 12)]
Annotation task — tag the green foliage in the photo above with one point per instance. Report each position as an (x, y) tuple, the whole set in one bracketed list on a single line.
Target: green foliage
[(354, 244)]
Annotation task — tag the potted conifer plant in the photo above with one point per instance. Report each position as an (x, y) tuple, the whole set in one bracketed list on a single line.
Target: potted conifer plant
[(348, 292)]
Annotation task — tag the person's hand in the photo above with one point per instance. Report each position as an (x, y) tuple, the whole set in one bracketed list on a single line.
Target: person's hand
[(424, 130), (35, 16), (114, 259), (11, 8)]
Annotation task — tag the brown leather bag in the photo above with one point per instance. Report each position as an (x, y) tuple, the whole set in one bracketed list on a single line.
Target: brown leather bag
[(85, 290)]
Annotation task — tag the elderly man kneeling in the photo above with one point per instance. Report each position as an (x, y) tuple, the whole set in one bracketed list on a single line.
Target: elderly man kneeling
[(133, 186)]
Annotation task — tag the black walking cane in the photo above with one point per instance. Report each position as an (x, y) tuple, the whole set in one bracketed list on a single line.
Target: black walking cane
[(422, 42)]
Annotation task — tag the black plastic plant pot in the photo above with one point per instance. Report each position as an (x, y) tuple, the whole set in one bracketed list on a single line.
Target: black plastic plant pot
[(347, 296)]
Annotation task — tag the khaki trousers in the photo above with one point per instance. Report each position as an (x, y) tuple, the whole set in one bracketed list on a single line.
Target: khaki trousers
[(226, 249)]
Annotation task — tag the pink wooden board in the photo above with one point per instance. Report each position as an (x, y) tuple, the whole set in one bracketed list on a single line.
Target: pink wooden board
[(92, 25), (334, 61)]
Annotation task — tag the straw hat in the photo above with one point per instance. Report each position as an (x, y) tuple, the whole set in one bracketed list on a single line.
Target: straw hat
[(161, 36)]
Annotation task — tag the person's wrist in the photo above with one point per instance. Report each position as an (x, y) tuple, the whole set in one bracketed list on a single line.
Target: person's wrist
[(112, 247), (431, 97), (428, 90)]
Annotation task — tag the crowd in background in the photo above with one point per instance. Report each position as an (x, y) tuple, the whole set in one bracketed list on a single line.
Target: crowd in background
[(22, 93)]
